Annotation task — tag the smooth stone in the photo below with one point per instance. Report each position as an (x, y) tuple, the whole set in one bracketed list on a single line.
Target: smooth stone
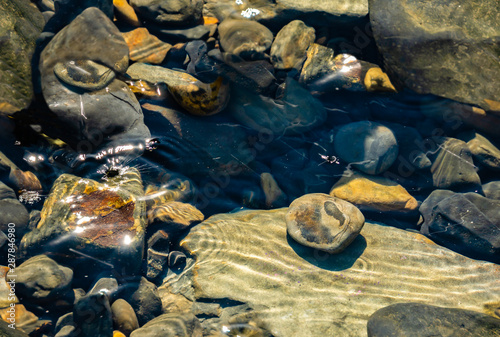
[(175, 13), (124, 12), (335, 9), (63, 321), (290, 45), (40, 278), (26, 180), (171, 325), (20, 24), (145, 47), (373, 193), (105, 284), (483, 150), (12, 211), (415, 320), (92, 316), (376, 80), (84, 74), (245, 38), (67, 331), (466, 223), (278, 277), (7, 330), (452, 165), (144, 298), (491, 190), (200, 32), (374, 151), (174, 215), (275, 197), (323, 222), (103, 220), (446, 48), (124, 318), (5, 289)]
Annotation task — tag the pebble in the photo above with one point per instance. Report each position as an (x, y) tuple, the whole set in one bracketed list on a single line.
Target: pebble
[(245, 38), (84, 74), (157, 254), (175, 13), (323, 222), (171, 325), (145, 47), (275, 197), (290, 45), (92, 315), (124, 318), (124, 12), (143, 296), (491, 190), (483, 150), (11, 210), (376, 80)]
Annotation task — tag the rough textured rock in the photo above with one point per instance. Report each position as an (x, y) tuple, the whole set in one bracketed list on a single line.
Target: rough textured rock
[(483, 151), (171, 325), (20, 25), (298, 291), (145, 47), (124, 318), (491, 190), (466, 223), (374, 150), (447, 48), (179, 13), (92, 316), (415, 319), (322, 222), (373, 193), (290, 45), (245, 38)]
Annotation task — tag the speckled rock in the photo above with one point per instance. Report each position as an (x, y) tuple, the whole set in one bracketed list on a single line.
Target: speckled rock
[(483, 150), (323, 222), (124, 318), (290, 45), (373, 193), (171, 325), (245, 38), (145, 47), (415, 319), (374, 150), (179, 12)]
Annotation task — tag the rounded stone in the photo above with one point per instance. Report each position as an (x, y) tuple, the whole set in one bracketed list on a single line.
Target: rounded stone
[(84, 74), (323, 222), (245, 38), (124, 317), (370, 147)]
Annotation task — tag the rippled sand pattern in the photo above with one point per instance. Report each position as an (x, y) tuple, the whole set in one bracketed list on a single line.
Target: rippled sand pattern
[(248, 257)]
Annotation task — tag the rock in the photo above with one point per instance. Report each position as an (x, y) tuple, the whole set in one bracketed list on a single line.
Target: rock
[(175, 216), (290, 45), (275, 197), (447, 49), (143, 297), (20, 25), (376, 80), (26, 180), (117, 333), (323, 222), (411, 156), (278, 278), (200, 32), (6, 296), (84, 39), (67, 331), (415, 319), (297, 113), (6, 330), (105, 221), (465, 223), (40, 278), (171, 325), (84, 74), (373, 193), (92, 316), (124, 318), (25, 321), (105, 284), (483, 151), (374, 151), (157, 256), (124, 12), (452, 165), (145, 47), (491, 190), (245, 38), (176, 259), (175, 13), (350, 9), (12, 211)]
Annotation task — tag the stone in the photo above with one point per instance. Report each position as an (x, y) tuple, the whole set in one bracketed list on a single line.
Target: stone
[(350, 9), (176, 259), (323, 222), (491, 190), (374, 150), (84, 74), (175, 216), (103, 220), (6, 330), (448, 48), (143, 297), (12, 211), (26, 180), (171, 325), (175, 13), (200, 32), (25, 321), (483, 150), (145, 47), (416, 319), (245, 38), (464, 222), (117, 333), (105, 284), (92, 316), (124, 12), (373, 193), (275, 197), (6, 297), (452, 165), (157, 255), (290, 45), (124, 318), (20, 25), (376, 80), (41, 279), (299, 291)]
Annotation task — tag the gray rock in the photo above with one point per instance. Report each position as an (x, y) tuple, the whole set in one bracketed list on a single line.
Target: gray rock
[(290, 45), (7, 331), (368, 146), (12, 211), (323, 222), (173, 36), (92, 316), (67, 331), (63, 321), (447, 48), (483, 150), (107, 285), (491, 190), (143, 297), (41, 278), (124, 318), (415, 320), (178, 13), (20, 25), (171, 325)]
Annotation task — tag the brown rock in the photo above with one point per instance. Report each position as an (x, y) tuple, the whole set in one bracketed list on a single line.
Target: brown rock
[(377, 80), (483, 150), (290, 45), (275, 197), (126, 13), (145, 47), (124, 318)]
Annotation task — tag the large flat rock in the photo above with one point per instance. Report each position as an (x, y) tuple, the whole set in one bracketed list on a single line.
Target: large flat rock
[(298, 291)]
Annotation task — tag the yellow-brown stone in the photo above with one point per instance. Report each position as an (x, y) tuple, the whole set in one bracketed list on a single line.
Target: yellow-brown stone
[(373, 193), (145, 47), (126, 13), (377, 80)]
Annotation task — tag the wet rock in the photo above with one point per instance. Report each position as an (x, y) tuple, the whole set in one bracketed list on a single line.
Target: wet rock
[(277, 277), (24, 320), (145, 47), (373, 193), (92, 316), (175, 216), (176, 259), (200, 32), (41, 278), (175, 13), (157, 256), (6, 296), (67, 331), (374, 150), (143, 297), (12, 211), (376, 80), (85, 74), (26, 180), (323, 222), (447, 49), (415, 319), (105, 221), (245, 38), (171, 325), (124, 12), (466, 223), (298, 111), (64, 320), (491, 190), (452, 166), (117, 333), (107, 285), (20, 25), (290, 45), (483, 151), (124, 318), (275, 197)]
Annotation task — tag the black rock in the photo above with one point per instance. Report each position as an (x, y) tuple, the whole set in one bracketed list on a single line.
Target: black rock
[(92, 316), (144, 298), (12, 211)]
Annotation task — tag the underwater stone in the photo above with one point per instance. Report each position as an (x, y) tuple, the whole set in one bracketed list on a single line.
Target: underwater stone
[(484, 151), (124, 318), (290, 45), (178, 12), (11, 210), (376, 80), (143, 296), (125, 12), (245, 38), (145, 47), (171, 325), (92, 316), (84, 74)]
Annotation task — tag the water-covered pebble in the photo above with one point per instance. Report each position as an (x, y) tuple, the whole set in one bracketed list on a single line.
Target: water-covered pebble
[(245, 38), (171, 325), (290, 45), (124, 318)]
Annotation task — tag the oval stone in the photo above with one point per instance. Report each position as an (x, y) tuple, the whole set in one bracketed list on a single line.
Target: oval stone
[(84, 74), (323, 222)]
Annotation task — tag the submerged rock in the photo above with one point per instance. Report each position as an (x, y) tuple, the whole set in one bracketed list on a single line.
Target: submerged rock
[(84, 74), (178, 13), (290, 45), (171, 325), (484, 151), (145, 47), (124, 318)]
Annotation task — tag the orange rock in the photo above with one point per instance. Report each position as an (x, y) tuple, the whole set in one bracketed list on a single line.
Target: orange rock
[(144, 47), (117, 333), (208, 20), (126, 13), (25, 180), (377, 80)]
